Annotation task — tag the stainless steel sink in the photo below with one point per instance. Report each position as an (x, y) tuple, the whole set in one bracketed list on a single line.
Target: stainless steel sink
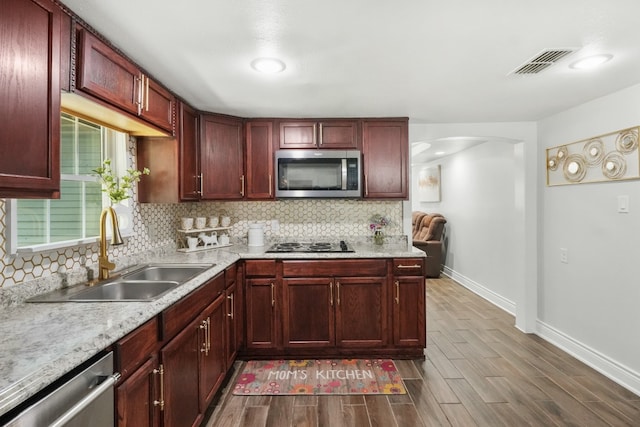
[(166, 272), (125, 290), (144, 283)]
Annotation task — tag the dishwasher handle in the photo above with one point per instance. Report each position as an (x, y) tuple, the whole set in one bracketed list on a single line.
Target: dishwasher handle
[(86, 401)]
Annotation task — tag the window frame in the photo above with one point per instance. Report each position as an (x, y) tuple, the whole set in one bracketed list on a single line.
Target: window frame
[(119, 152)]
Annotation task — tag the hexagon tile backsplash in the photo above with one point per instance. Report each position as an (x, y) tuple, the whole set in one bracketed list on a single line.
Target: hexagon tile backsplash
[(154, 226)]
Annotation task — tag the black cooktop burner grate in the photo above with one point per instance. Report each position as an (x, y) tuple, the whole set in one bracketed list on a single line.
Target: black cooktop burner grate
[(341, 246)]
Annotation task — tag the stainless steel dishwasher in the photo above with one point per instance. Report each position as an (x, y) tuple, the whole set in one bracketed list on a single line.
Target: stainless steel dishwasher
[(87, 399)]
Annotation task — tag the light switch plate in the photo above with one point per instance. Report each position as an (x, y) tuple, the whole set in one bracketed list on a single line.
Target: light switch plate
[(623, 204)]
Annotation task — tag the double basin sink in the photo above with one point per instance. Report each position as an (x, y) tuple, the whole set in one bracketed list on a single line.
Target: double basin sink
[(144, 283)]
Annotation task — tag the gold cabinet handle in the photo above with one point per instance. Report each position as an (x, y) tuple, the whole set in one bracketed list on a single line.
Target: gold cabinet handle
[(208, 335), (331, 294), (366, 186), (203, 348), (160, 402), (315, 135), (242, 185), (231, 306), (201, 184), (320, 143), (409, 266), (146, 93), (270, 188), (273, 296), (397, 298), (140, 86), (338, 293)]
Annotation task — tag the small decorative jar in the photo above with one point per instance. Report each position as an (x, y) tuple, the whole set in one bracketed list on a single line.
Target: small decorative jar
[(378, 237)]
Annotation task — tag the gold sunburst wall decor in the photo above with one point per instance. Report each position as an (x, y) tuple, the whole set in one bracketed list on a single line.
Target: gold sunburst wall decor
[(611, 157)]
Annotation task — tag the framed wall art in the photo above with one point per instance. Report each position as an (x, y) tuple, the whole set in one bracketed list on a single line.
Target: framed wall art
[(429, 184), (610, 157)]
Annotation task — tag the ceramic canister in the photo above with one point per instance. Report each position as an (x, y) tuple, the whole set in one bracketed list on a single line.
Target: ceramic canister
[(256, 234)]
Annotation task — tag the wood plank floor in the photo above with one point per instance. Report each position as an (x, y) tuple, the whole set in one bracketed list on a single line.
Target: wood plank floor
[(479, 371)]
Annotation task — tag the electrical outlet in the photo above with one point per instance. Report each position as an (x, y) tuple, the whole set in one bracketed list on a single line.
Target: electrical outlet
[(564, 255)]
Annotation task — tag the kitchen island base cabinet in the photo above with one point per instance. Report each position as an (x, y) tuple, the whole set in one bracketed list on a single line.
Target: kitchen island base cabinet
[(341, 312), (309, 319), (334, 308), (409, 312), (409, 305), (361, 312), (261, 322)]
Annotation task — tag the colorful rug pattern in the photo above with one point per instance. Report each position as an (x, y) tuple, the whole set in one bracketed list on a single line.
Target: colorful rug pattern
[(315, 377)]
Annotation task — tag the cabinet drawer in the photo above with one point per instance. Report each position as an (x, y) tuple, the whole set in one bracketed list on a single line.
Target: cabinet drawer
[(408, 267), (332, 268), (260, 268), (136, 347), (175, 318)]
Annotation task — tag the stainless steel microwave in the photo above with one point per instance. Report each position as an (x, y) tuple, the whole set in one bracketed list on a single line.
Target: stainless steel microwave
[(319, 173)]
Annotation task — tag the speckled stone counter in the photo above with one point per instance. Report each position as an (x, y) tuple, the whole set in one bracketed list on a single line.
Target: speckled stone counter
[(41, 342)]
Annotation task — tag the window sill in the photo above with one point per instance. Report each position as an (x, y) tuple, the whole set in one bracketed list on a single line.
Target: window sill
[(46, 247)]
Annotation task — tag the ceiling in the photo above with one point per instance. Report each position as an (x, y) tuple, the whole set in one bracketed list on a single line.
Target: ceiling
[(432, 61)]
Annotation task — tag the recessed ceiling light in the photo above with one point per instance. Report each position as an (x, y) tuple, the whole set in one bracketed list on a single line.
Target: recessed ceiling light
[(591, 62), (439, 153), (268, 65)]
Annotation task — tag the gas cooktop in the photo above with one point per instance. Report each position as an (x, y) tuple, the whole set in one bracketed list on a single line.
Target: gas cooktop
[(311, 247)]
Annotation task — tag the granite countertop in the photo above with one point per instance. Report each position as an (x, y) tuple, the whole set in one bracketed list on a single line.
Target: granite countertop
[(41, 342)]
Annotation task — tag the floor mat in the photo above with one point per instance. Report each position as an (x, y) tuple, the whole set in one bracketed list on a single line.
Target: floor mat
[(322, 376)]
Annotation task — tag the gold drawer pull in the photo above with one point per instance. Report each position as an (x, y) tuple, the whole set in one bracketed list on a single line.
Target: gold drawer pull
[(160, 402), (409, 266)]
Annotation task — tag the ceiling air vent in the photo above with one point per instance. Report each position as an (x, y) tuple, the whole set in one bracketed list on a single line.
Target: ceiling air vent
[(542, 61)]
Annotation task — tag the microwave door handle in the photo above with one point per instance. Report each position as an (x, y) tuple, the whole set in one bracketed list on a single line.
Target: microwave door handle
[(344, 174)]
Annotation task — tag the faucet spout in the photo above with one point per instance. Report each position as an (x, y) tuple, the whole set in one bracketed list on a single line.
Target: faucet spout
[(104, 265)]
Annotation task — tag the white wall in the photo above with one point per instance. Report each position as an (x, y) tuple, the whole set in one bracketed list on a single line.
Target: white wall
[(478, 200), (485, 201), (590, 305)]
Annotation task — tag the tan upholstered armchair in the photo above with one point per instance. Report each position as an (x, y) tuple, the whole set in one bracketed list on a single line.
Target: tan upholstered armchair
[(427, 235)]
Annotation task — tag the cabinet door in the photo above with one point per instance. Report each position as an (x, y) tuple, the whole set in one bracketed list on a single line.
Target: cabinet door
[(232, 311), (385, 148), (308, 314), (261, 301), (103, 73), (361, 311), (298, 134), (259, 138), (158, 105), (213, 358), (338, 134), (136, 395), (30, 99), (180, 359), (409, 329), (341, 134), (221, 162), (189, 169)]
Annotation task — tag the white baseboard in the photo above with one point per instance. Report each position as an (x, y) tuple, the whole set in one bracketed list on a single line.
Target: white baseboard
[(608, 367), (477, 288)]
